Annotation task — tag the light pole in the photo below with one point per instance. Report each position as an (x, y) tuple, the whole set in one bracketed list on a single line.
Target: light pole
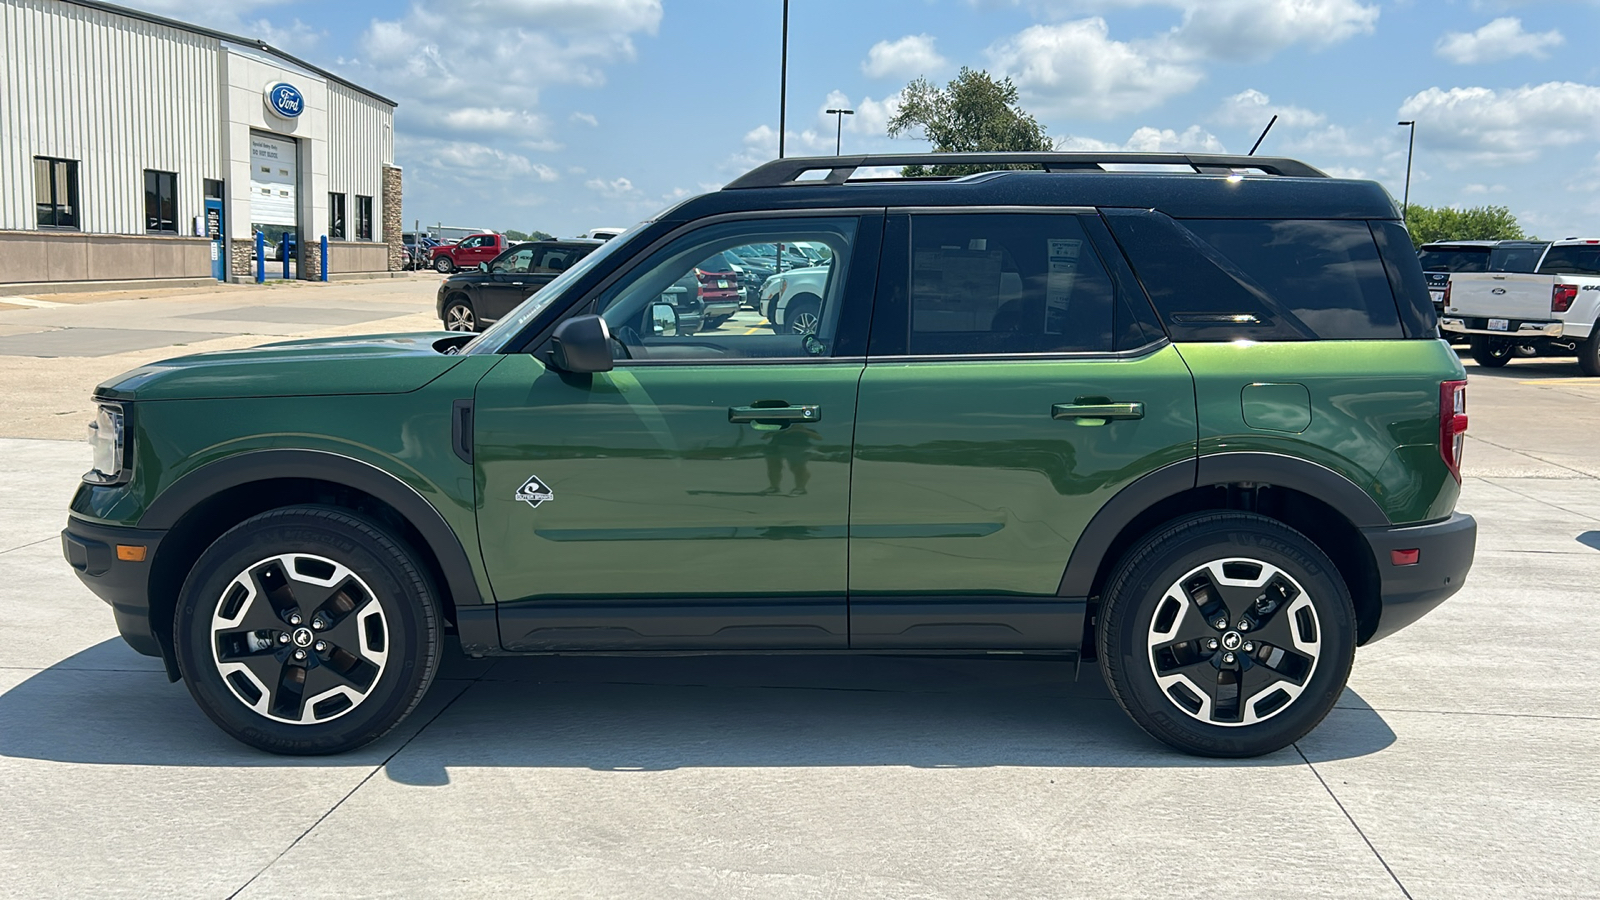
[(1405, 205), (838, 130), (783, 80)]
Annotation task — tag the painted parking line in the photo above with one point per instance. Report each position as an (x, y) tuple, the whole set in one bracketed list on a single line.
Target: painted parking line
[(32, 303), (1584, 380)]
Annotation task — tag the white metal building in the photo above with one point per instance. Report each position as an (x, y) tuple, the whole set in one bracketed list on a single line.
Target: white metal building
[(134, 147)]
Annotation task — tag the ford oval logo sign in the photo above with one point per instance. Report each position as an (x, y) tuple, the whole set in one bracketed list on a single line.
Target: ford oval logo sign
[(285, 99)]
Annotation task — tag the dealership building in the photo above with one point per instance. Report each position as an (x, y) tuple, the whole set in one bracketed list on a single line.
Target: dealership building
[(137, 149)]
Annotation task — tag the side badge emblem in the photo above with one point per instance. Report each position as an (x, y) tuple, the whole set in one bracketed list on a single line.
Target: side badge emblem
[(533, 492)]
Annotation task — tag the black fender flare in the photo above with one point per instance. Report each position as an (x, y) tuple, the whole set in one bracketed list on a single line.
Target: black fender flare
[(1275, 469), (265, 465)]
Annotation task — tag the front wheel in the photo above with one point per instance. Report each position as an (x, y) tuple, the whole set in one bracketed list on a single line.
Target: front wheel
[(443, 265), (1226, 634), (458, 316), (1491, 352), (802, 316), (307, 630)]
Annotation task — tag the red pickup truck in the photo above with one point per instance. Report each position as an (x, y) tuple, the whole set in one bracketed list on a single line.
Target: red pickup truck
[(467, 252)]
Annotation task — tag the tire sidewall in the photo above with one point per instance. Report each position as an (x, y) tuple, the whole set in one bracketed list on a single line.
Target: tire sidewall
[(396, 582), (472, 313), (1143, 580)]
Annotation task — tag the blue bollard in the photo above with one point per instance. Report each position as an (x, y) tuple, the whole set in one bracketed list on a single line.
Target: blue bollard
[(283, 248), (261, 258), (324, 257)]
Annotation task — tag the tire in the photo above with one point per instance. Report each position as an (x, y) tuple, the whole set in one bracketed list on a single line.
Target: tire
[(1589, 353), (444, 265), (309, 562), (1490, 352), (1156, 629), (459, 316), (803, 315)]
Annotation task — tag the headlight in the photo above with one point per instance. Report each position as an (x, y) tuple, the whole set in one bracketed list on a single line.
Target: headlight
[(105, 437)]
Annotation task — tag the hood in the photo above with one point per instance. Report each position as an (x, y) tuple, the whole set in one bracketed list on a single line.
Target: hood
[(369, 364)]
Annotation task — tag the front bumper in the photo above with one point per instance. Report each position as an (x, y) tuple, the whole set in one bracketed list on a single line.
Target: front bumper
[(91, 550), (1444, 556), (1514, 328)]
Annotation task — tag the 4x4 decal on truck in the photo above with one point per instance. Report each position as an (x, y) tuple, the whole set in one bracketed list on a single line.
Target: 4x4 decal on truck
[(533, 492)]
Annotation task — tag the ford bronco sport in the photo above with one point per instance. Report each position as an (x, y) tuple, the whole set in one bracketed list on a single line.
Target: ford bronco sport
[(1197, 426)]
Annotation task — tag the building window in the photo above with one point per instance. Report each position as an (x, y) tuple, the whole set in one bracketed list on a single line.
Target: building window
[(363, 218), (160, 202), (55, 191), (213, 188), (336, 216)]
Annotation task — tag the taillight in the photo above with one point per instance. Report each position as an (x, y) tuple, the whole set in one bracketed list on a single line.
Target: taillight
[(1452, 424), (1447, 292), (1561, 297)]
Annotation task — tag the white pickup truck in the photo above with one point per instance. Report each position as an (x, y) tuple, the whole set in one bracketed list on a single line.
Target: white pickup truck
[(1553, 311)]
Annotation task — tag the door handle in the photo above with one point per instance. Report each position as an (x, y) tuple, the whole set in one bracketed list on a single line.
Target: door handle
[(744, 414), (1097, 411)]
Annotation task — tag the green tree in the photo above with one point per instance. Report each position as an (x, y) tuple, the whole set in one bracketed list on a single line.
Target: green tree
[(1445, 223), (535, 235), (972, 113)]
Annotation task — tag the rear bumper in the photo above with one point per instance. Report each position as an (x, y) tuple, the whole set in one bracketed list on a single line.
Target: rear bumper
[(1514, 328), (1444, 556), (91, 550)]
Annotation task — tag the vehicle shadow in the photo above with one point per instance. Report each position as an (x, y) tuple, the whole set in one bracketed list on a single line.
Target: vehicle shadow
[(1526, 368), (661, 713)]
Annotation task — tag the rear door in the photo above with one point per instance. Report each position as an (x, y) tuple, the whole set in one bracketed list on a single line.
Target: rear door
[(1010, 391)]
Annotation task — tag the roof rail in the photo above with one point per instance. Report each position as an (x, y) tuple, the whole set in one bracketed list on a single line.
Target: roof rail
[(788, 171)]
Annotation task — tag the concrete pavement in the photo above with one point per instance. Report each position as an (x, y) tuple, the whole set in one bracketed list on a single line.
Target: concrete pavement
[(1460, 763)]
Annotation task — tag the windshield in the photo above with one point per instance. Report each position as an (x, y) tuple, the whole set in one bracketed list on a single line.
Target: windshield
[(495, 338)]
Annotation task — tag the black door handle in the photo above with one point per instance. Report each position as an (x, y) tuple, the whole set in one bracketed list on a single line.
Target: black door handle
[(775, 414)]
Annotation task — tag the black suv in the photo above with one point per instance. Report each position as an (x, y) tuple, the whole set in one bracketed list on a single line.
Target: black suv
[(474, 298), (1197, 427)]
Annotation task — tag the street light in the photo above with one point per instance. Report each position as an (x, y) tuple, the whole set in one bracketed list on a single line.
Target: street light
[(838, 130), (1405, 205)]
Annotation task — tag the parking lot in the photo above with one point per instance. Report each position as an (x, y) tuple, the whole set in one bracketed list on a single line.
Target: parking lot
[(1461, 762)]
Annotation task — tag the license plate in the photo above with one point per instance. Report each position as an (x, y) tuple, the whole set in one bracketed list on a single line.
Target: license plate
[(722, 283), (1499, 324)]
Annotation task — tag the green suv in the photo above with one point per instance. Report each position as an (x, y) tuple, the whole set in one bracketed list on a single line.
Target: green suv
[(1195, 424)]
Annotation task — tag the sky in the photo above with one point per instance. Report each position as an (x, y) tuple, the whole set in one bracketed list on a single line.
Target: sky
[(566, 115)]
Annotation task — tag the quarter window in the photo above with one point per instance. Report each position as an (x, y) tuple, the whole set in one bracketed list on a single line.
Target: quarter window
[(1006, 284), (363, 218), (55, 191), (160, 202), (336, 216)]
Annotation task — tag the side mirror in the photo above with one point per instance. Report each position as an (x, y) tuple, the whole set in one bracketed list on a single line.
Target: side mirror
[(483, 267), (581, 344), (663, 319)]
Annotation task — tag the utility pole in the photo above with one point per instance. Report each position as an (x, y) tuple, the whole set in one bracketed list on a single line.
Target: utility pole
[(838, 131), (783, 81), (1411, 145)]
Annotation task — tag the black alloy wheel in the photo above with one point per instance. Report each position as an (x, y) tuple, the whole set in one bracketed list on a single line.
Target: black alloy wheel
[(307, 630), (1226, 634)]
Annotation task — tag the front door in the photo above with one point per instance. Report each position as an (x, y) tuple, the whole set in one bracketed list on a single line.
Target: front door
[(995, 418), (506, 285), (696, 496)]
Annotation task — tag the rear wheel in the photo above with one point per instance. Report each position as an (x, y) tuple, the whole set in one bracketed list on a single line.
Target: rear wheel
[(1589, 353), (1226, 634), (307, 630), (1492, 352)]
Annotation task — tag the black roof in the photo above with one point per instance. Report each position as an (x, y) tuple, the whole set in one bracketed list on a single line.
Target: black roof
[(1215, 187)]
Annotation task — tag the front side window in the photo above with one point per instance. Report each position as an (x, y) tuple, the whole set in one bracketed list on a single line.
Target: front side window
[(55, 191), (672, 308), (363, 218), (516, 262), (1007, 283), (160, 202), (336, 216)]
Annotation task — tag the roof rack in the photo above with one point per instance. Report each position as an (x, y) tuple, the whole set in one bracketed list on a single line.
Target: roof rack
[(789, 171)]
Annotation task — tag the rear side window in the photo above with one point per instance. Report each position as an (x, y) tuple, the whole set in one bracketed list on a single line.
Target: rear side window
[(1006, 283), (1454, 259), (1260, 279), (1572, 259)]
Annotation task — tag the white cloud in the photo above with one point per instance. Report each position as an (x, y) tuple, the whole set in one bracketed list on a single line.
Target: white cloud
[(1483, 189), (1257, 29), (1497, 41), (1496, 127), (1344, 172), (615, 189), (1332, 140), (1074, 68), (1253, 109), (909, 57), (586, 118), (1193, 139)]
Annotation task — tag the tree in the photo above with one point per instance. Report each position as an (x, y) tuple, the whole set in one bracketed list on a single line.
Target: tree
[(536, 235), (1444, 223), (973, 113)]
